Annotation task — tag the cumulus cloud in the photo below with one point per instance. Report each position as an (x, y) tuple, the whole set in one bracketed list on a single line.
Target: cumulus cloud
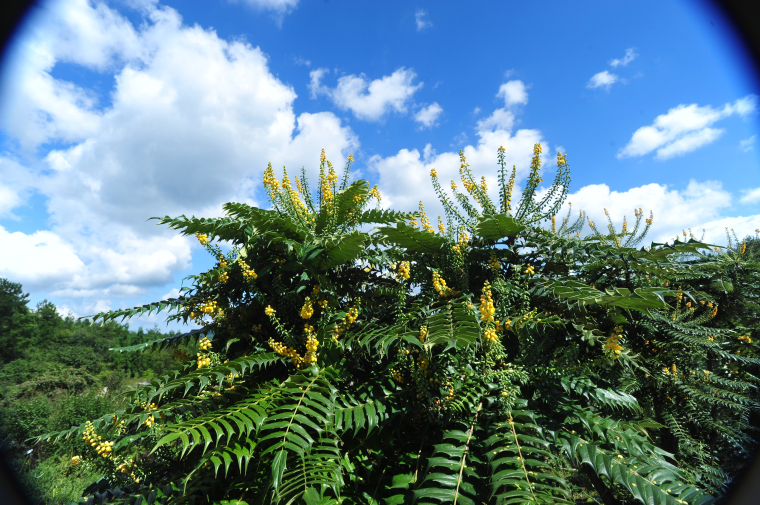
[(603, 80), (368, 100), (191, 122), (606, 79), (630, 55), (750, 196), (684, 129), (421, 21), (675, 210), (427, 116), (500, 119), (513, 93), (40, 260), (747, 145)]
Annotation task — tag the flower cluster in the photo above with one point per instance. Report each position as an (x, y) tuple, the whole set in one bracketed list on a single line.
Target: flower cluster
[(75, 460), (746, 339), (205, 344), (493, 261), (529, 270), (486, 308), (490, 335), (307, 310), (439, 284), (203, 239), (612, 342), (441, 228), (424, 364), (103, 448), (149, 421), (126, 468), (269, 311), (425, 221), (423, 333), (209, 308), (203, 360), (286, 351), (270, 181), (535, 166), (397, 375), (311, 346), (403, 270), (248, 273), (346, 321), (375, 192), (523, 319), (561, 159)]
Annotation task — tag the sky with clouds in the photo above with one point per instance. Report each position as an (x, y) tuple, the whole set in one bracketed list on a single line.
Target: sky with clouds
[(114, 112)]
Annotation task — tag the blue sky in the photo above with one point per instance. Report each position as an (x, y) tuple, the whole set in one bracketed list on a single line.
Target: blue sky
[(113, 112)]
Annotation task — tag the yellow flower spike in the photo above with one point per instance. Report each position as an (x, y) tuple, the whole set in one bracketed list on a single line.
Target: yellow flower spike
[(269, 311), (307, 310)]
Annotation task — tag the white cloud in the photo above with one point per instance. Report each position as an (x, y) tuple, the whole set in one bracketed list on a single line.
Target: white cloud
[(747, 145), (630, 55), (750, 196), (689, 142), (674, 210), (40, 260), (683, 129), (421, 21), (427, 116), (279, 8), (500, 119), (16, 185), (368, 100), (9, 199), (187, 115), (514, 93), (315, 86), (174, 293), (603, 79)]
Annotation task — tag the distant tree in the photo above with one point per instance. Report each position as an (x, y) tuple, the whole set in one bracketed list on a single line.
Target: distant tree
[(13, 301)]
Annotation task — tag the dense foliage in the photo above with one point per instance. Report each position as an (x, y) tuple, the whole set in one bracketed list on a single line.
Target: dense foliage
[(494, 360), (56, 372)]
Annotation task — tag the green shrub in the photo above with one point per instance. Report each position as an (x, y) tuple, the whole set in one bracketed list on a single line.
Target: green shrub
[(495, 361)]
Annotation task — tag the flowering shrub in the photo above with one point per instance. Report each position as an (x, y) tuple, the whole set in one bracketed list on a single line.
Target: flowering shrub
[(492, 361)]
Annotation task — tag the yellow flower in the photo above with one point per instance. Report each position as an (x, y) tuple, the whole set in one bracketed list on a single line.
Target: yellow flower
[(307, 310), (269, 311)]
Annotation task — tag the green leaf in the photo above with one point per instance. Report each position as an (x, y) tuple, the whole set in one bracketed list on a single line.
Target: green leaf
[(497, 226)]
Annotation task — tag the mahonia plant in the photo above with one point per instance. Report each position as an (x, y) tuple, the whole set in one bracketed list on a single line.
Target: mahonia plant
[(494, 360)]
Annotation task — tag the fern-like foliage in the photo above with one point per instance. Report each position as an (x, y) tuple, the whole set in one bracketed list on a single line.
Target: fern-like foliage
[(496, 361)]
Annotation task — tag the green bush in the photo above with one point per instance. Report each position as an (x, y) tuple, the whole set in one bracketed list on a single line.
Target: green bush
[(26, 418), (505, 358)]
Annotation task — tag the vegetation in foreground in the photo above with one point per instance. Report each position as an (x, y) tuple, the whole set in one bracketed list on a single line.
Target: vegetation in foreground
[(500, 357), (56, 373)]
